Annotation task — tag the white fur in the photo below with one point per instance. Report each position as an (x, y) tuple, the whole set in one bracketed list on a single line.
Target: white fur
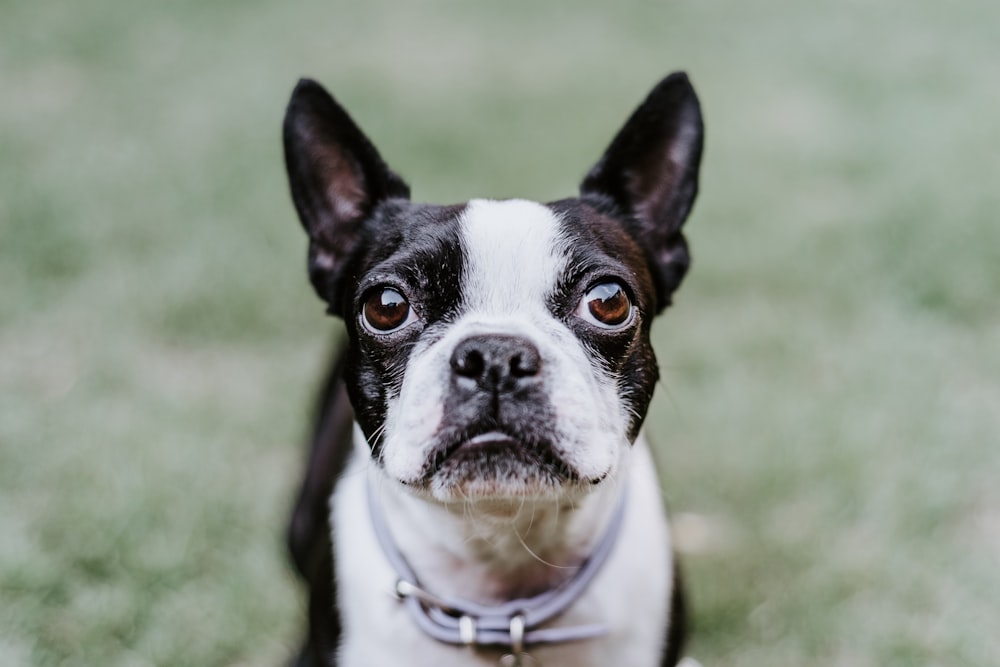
[(451, 552)]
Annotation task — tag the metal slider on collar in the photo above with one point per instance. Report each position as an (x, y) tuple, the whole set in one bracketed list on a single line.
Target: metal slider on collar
[(517, 634), (516, 657), (467, 630), (405, 589)]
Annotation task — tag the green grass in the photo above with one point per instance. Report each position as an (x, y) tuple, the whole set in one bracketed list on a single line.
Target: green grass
[(830, 414)]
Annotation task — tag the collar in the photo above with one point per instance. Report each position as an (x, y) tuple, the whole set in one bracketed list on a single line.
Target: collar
[(513, 624)]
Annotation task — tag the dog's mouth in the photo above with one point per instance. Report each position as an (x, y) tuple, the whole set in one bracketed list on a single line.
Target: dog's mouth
[(483, 441), (495, 464), (496, 445)]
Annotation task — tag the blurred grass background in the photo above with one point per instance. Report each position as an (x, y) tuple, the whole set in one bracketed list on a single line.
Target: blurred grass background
[(830, 411)]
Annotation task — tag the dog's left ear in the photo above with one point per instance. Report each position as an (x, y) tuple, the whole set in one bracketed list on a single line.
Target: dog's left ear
[(337, 180), (650, 174)]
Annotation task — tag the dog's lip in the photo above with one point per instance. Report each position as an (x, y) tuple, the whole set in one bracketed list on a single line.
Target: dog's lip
[(494, 442), (491, 438), (532, 456)]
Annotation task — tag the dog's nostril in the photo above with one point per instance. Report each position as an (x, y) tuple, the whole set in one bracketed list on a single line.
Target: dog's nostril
[(515, 365), (471, 364), (525, 364)]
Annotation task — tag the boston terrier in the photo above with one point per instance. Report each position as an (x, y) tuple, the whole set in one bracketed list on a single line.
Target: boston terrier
[(479, 490)]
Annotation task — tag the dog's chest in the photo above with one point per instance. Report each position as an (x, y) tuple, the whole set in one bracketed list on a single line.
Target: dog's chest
[(629, 595)]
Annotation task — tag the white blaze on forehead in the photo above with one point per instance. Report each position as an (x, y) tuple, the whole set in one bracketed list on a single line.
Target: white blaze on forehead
[(512, 255)]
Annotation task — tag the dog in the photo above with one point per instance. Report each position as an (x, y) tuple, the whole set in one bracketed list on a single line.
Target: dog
[(479, 490)]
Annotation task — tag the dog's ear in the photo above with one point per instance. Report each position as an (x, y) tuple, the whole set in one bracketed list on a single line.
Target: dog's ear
[(650, 174), (337, 180)]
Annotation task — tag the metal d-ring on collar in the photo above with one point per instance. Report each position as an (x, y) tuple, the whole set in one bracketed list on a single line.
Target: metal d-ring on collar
[(513, 624)]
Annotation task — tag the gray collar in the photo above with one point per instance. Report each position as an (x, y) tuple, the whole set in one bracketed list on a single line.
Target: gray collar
[(513, 624)]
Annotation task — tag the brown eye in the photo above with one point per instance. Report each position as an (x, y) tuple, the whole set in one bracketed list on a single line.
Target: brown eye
[(385, 310), (606, 305)]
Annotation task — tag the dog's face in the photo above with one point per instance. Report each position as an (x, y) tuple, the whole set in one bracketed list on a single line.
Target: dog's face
[(498, 350)]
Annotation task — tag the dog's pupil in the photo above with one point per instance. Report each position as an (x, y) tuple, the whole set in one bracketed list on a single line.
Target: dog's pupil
[(386, 309)]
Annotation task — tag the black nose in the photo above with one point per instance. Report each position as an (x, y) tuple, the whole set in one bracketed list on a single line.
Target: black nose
[(496, 363)]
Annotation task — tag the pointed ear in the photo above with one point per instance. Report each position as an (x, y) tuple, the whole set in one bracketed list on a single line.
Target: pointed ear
[(649, 173), (337, 180)]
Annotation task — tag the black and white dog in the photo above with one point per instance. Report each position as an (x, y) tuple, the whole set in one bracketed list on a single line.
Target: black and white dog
[(479, 491)]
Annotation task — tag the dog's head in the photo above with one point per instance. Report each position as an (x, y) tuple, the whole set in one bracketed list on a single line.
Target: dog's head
[(498, 350)]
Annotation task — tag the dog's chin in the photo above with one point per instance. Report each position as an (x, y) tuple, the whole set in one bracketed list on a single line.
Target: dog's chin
[(498, 472)]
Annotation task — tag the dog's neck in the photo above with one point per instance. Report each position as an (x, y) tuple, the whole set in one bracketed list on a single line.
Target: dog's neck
[(491, 553)]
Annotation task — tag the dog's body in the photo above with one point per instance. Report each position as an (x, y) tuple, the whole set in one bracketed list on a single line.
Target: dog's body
[(499, 370)]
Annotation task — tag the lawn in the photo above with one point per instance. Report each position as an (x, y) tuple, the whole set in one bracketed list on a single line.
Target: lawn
[(829, 417)]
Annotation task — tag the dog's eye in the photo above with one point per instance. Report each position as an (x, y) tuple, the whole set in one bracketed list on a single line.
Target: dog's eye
[(385, 310), (606, 305)]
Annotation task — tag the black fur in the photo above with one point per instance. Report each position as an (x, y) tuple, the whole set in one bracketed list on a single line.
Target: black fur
[(676, 639), (309, 538)]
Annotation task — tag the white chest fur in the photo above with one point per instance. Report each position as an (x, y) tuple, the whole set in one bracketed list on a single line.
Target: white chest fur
[(629, 596)]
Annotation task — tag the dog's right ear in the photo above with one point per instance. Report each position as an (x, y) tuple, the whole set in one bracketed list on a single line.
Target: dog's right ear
[(650, 174), (337, 180)]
